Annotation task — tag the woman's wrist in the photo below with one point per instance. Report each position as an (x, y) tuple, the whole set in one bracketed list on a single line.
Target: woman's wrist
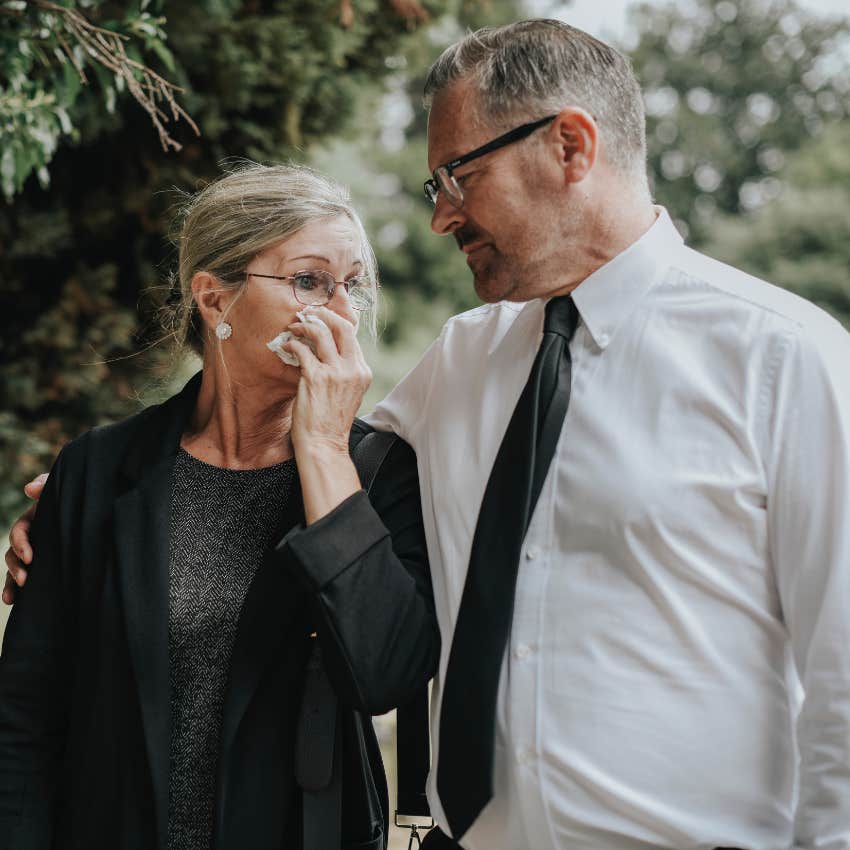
[(328, 477)]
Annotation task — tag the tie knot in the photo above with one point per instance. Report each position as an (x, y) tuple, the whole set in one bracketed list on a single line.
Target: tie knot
[(561, 317)]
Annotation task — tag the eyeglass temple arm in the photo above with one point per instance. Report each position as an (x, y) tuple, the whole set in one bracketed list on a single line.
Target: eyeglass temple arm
[(499, 142)]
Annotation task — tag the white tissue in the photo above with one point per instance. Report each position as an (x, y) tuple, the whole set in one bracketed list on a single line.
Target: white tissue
[(276, 344)]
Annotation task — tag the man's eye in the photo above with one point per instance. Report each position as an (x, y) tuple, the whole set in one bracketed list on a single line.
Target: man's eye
[(306, 281)]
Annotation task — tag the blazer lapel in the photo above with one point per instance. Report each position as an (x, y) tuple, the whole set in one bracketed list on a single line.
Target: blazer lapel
[(142, 520), (271, 606)]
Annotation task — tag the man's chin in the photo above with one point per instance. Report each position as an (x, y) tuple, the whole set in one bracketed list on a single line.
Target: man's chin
[(488, 288)]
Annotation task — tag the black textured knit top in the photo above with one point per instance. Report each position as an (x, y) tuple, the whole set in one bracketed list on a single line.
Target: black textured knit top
[(222, 523)]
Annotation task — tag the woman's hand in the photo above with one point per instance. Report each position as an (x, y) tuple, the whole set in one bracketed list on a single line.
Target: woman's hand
[(19, 553), (333, 382)]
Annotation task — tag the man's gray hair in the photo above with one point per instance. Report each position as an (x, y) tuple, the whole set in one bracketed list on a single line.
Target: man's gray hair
[(529, 69)]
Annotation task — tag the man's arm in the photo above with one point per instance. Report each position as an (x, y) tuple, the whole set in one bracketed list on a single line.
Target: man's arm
[(808, 507), (19, 553), (404, 410)]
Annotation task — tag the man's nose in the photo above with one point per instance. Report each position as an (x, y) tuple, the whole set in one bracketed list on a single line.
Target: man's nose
[(446, 217)]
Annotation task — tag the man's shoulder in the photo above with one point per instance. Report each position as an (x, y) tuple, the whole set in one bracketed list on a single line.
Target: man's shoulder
[(747, 293), (487, 323), (486, 315)]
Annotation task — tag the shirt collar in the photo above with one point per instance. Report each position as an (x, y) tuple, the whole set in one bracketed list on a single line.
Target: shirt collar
[(612, 292)]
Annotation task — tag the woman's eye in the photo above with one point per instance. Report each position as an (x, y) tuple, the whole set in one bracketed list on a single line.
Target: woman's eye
[(306, 282)]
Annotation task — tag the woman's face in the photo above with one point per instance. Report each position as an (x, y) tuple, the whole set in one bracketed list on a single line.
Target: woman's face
[(266, 306)]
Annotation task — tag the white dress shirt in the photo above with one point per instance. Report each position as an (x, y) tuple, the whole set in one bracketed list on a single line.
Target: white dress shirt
[(686, 569)]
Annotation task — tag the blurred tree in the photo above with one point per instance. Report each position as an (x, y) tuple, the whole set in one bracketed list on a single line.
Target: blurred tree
[(425, 278), (800, 240), (48, 52), (262, 79), (731, 88)]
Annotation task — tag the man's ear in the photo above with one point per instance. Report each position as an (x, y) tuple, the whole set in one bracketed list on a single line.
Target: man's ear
[(212, 299), (575, 134)]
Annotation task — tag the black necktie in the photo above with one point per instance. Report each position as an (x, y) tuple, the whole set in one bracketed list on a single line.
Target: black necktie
[(468, 706)]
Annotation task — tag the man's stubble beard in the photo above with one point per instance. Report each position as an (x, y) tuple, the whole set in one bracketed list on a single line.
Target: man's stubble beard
[(492, 279), (509, 278)]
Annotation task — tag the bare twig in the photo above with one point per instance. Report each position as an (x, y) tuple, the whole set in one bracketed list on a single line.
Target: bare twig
[(153, 93)]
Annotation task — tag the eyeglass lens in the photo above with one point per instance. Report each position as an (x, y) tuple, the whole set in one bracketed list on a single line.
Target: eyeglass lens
[(315, 288)]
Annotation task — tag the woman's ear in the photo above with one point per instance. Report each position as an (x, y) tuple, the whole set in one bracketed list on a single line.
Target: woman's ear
[(212, 299), (577, 140)]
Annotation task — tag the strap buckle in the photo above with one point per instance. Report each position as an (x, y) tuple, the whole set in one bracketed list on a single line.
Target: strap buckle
[(414, 829)]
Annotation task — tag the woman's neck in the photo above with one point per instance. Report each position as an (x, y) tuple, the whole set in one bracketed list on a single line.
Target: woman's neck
[(238, 426)]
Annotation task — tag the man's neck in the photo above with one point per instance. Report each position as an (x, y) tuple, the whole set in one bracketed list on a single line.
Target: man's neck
[(612, 228)]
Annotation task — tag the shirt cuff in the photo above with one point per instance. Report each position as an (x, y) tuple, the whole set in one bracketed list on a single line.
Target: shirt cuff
[(321, 551)]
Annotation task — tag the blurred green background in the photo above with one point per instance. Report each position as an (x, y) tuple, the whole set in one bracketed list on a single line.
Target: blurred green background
[(749, 147)]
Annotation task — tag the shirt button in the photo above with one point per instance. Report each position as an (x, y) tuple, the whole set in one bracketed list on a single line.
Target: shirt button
[(532, 552), (523, 650), (604, 339)]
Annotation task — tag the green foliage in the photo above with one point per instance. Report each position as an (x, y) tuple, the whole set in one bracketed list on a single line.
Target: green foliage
[(800, 240), (49, 53), (83, 264), (731, 89)]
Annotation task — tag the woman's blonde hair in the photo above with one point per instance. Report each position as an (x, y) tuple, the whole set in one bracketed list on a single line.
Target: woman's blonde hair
[(252, 207)]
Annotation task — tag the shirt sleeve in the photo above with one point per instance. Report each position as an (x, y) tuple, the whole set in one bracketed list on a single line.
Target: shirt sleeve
[(404, 409), (809, 536)]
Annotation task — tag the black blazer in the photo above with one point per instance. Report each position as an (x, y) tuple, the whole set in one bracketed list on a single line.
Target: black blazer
[(84, 678)]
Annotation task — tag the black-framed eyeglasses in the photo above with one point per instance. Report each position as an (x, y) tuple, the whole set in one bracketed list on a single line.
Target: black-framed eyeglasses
[(442, 179), (316, 287)]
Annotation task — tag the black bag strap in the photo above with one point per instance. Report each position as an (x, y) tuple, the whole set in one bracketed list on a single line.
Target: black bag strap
[(318, 741), (413, 756), (413, 746), (318, 759), (369, 450)]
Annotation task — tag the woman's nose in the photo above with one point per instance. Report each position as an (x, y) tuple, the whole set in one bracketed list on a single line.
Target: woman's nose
[(340, 303)]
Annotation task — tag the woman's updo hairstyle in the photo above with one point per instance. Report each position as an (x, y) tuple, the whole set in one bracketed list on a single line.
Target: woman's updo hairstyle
[(226, 224)]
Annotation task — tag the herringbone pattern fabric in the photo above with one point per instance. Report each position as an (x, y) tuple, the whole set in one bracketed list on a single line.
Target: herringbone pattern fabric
[(222, 523)]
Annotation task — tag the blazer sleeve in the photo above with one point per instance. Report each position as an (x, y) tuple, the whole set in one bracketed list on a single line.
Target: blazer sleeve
[(34, 685), (365, 566)]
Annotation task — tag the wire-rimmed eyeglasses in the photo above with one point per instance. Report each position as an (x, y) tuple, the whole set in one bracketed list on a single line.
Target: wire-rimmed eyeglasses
[(442, 179), (316, 287)]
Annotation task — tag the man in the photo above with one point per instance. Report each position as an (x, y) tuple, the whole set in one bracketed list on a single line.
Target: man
[(653, 581)]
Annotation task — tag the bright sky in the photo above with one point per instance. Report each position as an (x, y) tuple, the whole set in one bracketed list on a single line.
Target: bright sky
[(607, 18)]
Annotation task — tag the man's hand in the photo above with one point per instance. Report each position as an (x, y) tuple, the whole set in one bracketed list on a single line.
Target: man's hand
[(19, 554)]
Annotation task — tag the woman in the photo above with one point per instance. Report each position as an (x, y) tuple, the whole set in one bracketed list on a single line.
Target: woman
[(154, 663)]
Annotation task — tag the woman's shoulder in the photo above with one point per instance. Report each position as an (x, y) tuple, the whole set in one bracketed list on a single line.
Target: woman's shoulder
[(109, 437), (106, 446)]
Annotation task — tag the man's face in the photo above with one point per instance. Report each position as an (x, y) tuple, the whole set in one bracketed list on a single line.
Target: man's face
[(508, 221)]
